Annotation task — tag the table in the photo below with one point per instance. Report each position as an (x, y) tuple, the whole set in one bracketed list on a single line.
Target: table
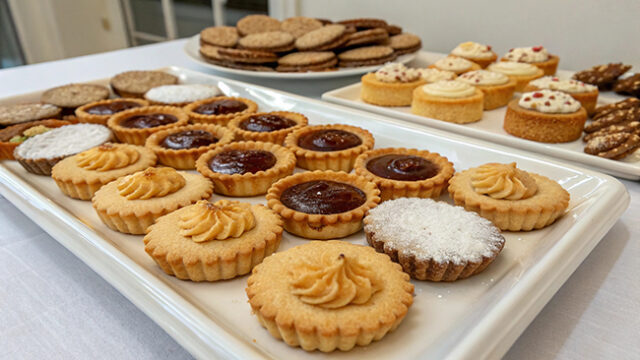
[(52, 305)]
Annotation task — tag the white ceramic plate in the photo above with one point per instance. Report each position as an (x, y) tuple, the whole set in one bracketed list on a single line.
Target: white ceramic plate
[(490, 127), (192, 49), (479, 317)]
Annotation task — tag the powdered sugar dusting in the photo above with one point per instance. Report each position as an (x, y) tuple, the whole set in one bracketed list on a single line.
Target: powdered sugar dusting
[(175, 94), (63, 141), (433, 230)]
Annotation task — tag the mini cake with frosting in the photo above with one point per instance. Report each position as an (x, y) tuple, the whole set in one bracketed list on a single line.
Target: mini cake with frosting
[(455, 64), (497, 88), (433, 240), (392, 85), (586, 94), (448, 100), (480, 54), (521, 73), (431, 75), (546, 116), (511, 198), (534, 55)]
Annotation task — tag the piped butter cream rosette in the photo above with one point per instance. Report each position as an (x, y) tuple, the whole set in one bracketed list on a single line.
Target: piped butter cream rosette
[(138, 136), (213, 241), (218, 119), (277, 136), (132, 203), (339, 160), (249, 183), (323, 226), (513, 199), (81, 175), (85, 116), (186, 158), (365, 297), (391, 189)]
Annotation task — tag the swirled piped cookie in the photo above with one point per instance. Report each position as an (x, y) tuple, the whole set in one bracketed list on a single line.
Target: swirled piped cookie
[(81, 175), (448, 100), (513, 199), (132, 203), (213, 241), (328, 295)]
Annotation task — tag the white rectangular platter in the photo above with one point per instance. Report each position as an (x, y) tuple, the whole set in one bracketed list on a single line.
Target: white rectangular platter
[(479, 317), (490, 127)]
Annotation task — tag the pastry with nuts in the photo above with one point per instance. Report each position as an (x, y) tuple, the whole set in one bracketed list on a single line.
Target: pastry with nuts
[(628, 86), (602, 76)]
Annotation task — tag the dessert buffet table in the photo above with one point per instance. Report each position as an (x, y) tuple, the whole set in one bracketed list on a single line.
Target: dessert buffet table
[(54, 306)]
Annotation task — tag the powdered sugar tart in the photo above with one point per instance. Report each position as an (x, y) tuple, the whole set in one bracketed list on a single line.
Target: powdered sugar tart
[(40, 153), (513, 199), (433, 240)]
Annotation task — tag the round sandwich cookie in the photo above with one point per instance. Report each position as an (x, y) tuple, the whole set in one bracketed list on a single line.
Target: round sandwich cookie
[(394, 30), (223, 36), (326, 38), (405, 43), (369, 36), (300, 25), (247, 56), (273, 41), (307, 61), (365, 23), (254, 24), (134, 84), (368, 55), (70, 96), (210, 54)]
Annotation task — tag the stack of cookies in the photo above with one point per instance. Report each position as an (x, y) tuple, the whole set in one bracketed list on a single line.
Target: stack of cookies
[(300, 44)]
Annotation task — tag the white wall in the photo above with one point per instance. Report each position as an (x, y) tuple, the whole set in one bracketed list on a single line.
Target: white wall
[(582, 33)]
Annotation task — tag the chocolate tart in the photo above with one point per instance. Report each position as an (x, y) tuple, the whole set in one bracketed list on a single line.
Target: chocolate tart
[(98, 112), (81, 175), (213, 241), (268, 127), (219, 110), (400, 172), (179, 147), (246, 168), (328, 147), (134, 126), (7, 147), (323, 204)]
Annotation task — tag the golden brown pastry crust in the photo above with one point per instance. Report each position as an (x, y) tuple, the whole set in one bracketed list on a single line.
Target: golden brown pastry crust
[(139, 136), (457, 110), (496, 96), (248, 184), (587, 99), (393, 189), (186, 158), (85, 117), (319, 226), (276, 137), (212, 260), (543, 127), (220, 119), (341, 160), (286, 317), (381, 93)]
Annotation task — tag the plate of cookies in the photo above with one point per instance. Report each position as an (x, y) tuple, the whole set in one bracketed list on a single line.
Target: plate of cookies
[(522, 101), (252, 223), (302, 47)]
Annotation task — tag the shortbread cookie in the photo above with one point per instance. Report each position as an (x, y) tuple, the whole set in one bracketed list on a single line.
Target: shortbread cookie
[(613, 146), (222, 36), (365, 56), (325, 38), (628, 86), (405, 43), (369, 36), (180, 95), (307, 61), (273, 41), (19, 113), (136, 83), (247, 56), (602, 76), (73, 95), (365, 23), (253, 24), (300, 25)]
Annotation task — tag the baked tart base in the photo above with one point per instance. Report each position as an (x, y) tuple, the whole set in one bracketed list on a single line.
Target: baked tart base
[(456, 110), (218, 119), (381, 93), (496, 96), (543, 127), (277, 136), (138, 136), (84, 116)]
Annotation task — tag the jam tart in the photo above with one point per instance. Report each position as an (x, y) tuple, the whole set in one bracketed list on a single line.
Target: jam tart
[(81, 175), (268, 127), (130, 204), (329, 147), (329, 295), (400, 172), (179, 147), (98, 112), (246, 168), (219, 110), (134, 126), (323, 204), (15, 135), (213, 241), (513, 199)]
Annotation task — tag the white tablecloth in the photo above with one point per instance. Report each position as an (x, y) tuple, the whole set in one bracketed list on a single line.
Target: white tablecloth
[(54, 306)]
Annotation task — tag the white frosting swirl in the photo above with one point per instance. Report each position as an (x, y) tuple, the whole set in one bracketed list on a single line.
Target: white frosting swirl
[(568, 85), (532, 54), (484, 77), (513, 68), (432, 75), (449, 89), (397, 72), (452, 63), (473, 50), (549, 101)]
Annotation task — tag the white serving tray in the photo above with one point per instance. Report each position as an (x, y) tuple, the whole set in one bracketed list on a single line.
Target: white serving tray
[(192, 49), (478, 318), (490, 127)]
